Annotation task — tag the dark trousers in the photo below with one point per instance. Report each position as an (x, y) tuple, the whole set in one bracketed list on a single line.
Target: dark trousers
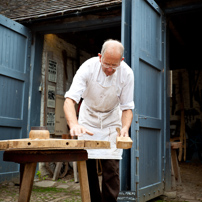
[(110, 180)]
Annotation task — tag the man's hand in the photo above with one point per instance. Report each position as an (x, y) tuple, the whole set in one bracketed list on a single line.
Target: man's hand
[(124, 132), (78, 130), (70, 115)]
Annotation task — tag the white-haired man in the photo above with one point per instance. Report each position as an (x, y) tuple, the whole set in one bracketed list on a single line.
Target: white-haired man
[(106, 84)]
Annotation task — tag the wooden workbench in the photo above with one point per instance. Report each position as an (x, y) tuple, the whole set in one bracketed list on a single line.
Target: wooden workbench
[(28, 160), (28, 152)]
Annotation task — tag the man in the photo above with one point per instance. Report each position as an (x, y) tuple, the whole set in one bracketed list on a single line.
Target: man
[(106, 84)]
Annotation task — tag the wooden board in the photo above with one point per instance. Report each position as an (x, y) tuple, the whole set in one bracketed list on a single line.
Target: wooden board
[(52, 143), (124, 142), (4, 145), (89, 144)]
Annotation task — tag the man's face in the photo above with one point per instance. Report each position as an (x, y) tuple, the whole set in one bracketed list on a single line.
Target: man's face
[(109, 62)]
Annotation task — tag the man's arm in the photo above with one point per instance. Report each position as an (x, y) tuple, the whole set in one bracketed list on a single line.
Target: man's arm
[(70, 115), (127, 117)]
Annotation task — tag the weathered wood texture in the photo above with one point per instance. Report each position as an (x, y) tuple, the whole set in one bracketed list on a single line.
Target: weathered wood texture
[(83, 178), (175, 169), (124, 142), (27, 182), (4, 145), (41, 144), (40, 134)]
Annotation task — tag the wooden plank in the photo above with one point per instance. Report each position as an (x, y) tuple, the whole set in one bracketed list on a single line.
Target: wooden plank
[(124, 142), (25, 156), (27, 182), (45, 143), (176, 145), (83, 179), (3, 145), (52, 143), (96, 144)]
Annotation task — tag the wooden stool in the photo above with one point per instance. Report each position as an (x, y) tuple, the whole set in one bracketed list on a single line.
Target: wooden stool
[(176, 177), (28, 160)]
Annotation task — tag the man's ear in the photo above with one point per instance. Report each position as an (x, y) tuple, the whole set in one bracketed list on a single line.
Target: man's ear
[(100, 56)]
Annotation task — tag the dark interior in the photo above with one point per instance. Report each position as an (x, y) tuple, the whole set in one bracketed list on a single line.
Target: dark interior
[(185, 40), (91, 41)]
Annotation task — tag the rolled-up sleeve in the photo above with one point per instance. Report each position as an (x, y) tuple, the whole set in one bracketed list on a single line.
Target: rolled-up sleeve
[(79, 83), (127, 93)]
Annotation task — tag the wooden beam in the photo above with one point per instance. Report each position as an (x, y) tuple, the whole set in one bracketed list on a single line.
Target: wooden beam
[(75, 26)]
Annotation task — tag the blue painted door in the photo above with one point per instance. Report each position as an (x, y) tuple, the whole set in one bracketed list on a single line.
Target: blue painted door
[(145, 51), (15, 42)]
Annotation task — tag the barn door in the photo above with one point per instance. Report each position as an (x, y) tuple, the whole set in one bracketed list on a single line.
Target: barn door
[(147, 42), (15, 42)]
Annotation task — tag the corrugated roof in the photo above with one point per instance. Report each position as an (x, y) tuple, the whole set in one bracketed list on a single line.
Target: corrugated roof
[(33, 9)]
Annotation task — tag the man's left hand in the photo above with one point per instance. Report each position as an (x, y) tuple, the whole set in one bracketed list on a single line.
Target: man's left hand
[(124, 132)]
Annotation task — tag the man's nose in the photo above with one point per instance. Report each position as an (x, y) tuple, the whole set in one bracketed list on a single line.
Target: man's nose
[(110, 68)]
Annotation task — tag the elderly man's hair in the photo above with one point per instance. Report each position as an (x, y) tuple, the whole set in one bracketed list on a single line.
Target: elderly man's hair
[(110, 42)]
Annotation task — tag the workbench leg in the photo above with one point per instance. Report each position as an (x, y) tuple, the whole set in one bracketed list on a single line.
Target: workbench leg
[(83, 179), (22, 167), (27, 182)]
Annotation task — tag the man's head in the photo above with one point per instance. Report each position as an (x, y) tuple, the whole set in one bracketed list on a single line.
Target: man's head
[(111, 56)]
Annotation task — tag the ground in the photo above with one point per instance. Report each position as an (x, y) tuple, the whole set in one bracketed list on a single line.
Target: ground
[(191, 187), (66, 190)]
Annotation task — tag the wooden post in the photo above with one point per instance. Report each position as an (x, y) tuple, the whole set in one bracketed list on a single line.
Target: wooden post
[(27, 182), (57, 170), (83, 179), (75, 171)]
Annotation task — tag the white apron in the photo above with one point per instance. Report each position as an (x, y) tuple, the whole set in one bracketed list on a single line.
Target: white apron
[(100, 113)]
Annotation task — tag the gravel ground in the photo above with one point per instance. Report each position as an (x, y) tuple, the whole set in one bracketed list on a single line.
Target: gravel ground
[(190, 189), (63, 190)]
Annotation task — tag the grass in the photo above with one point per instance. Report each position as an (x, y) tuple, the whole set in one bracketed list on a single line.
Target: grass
[(49, 189)]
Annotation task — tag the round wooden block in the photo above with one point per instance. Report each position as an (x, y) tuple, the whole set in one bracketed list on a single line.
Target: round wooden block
[(39, 133)]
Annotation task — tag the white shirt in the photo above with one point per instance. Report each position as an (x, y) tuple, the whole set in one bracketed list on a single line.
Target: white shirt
[(124, 82)]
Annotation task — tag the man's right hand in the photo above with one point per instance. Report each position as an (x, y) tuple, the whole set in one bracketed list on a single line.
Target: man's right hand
[(78, 130)]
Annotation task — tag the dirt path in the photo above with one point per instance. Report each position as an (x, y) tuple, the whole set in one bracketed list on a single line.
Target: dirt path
[(191, 188)]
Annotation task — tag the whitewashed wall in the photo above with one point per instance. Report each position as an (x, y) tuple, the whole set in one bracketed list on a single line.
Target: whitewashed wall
[(52, 49)]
